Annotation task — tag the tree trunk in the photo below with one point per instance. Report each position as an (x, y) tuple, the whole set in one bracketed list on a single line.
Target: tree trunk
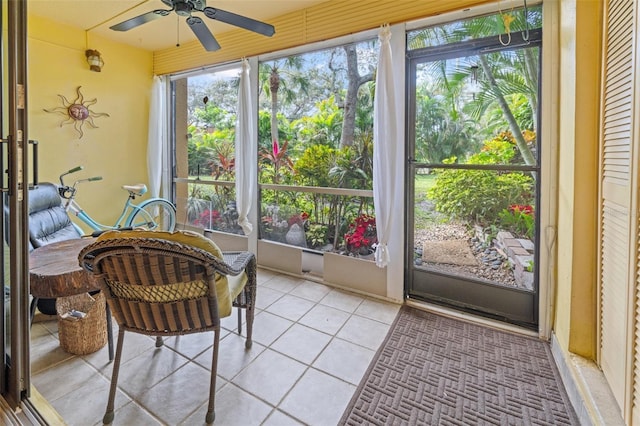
[(521, 143), (351, 99), (274, 86), (532, 77)]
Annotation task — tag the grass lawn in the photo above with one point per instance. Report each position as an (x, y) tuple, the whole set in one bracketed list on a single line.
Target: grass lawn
[(422, 185)]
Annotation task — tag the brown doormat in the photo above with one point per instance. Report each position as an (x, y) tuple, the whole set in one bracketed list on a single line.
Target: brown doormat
[(433, 370), (453, 252)]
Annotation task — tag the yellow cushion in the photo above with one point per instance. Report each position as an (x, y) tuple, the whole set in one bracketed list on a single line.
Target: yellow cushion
[(227, 287)]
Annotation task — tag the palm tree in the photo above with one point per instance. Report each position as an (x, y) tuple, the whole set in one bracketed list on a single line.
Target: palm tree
[(505, 73), (272, 82)]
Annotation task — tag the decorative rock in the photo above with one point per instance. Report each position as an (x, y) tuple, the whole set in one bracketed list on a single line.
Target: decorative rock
[(295, 236)]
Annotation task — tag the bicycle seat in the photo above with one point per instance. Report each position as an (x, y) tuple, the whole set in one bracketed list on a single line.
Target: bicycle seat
[(139, 189)]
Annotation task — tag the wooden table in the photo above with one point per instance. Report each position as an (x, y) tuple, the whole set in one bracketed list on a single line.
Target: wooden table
[(54, 271)]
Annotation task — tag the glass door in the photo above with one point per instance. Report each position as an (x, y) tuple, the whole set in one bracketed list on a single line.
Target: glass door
[(473, 180), (15, 373)]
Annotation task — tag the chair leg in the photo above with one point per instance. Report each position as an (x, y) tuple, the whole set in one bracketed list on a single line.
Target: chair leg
[(249, 315), (239, 320), (109, 414), (159, 341), (109, 331), (211, 414)]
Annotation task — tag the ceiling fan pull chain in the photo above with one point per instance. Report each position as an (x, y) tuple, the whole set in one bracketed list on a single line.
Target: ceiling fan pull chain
[(177, 31)]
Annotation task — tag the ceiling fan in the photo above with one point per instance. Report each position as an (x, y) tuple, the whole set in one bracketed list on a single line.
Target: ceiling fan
[(186, 8)]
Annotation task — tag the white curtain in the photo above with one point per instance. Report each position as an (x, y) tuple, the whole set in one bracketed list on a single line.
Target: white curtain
[(386, 140), (246, 151), (157, 143)]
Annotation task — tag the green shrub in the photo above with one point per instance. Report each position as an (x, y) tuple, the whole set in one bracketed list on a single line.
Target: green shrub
[(480, 195), (316, 235)]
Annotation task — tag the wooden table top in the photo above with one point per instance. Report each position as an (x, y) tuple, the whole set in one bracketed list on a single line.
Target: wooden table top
[(54, 270)]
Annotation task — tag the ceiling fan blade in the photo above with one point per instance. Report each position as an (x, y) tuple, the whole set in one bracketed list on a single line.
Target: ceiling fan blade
[(239, 21), (139, 20), (201, 31)]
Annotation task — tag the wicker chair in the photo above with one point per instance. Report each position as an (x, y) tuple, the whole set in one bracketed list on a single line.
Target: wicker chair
[(161, 288)]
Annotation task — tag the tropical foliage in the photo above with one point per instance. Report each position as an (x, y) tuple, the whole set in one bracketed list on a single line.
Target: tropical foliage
[(315, 129)]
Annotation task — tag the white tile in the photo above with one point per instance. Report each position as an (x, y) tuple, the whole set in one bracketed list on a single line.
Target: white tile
[(133, 414), (278, 418), (230, 322), (178, 395), (232, 356), (283, 283), (264, 275), (318, 399), (45, 352), (143, 372), (364, 332), (301, 343), (192, 345), (270, 376), (67, 377), (345, 360), (311, 291), (344, 301), (379, 311), (268, 327), (87, 404), (290, 307), (266, 296), (233, 407), (325, 318)]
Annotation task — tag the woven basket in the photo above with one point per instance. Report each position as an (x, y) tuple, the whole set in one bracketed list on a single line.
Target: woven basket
[(81, 336)]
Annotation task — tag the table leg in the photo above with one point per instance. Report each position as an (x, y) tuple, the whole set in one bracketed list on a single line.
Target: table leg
[(32, 309)]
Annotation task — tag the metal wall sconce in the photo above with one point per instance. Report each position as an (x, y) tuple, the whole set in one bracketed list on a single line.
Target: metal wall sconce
[(94, 59)]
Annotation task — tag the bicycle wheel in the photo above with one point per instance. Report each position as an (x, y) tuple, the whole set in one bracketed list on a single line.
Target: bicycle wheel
[(155, 215)]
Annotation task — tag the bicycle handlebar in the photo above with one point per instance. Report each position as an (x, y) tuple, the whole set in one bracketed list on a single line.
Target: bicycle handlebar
[(67, 191)]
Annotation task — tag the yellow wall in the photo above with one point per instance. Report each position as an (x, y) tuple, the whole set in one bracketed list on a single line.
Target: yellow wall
[(580, 38), (116, 150)]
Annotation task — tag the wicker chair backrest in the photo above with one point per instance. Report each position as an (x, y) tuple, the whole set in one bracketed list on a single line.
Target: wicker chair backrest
[(155, 286)]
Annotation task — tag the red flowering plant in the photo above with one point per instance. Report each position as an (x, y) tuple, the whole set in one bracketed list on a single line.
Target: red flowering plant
[(519, 219), (300, 219), (362, 236), (208, 219)]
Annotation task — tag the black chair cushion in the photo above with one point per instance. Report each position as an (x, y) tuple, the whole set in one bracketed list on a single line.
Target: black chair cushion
[(48, 221)]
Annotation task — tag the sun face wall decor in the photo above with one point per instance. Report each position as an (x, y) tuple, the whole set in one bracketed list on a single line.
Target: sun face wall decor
[(77, 112)]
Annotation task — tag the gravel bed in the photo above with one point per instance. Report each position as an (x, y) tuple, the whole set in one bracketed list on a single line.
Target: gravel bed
[(492, 266)]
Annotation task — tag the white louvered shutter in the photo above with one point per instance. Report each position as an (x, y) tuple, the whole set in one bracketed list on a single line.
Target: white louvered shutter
[(617, 206)]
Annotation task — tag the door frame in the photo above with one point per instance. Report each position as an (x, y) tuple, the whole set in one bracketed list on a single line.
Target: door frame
[(506, 304)]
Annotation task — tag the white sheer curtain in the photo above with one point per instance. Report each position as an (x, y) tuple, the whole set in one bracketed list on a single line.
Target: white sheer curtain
[(386, 140), (246, 151), (158, 142)]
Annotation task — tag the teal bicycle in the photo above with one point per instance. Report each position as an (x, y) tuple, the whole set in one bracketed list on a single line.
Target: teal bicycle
[(155, 214)]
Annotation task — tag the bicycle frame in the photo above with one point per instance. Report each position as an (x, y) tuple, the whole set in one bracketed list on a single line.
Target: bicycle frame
[(130, 211), (75, 208)]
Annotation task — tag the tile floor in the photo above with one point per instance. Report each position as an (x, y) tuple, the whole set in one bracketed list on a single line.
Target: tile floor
[(312, 344)]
